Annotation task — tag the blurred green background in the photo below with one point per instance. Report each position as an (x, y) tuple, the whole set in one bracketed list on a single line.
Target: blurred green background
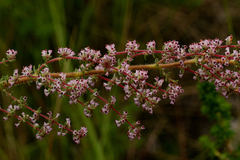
[(171, 133)]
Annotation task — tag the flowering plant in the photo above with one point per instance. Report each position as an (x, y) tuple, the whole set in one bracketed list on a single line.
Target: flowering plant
[(210, 65)]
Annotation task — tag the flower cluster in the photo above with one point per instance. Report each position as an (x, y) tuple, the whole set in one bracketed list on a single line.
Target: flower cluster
[(131, 46), (151, 47), (46, 129), (27, 71), (77, 135), (13, 78), (122, 120), (76, 88), (11, 54), (174, 91), (111, 49), (63, 131), (135, 130), (89, 54), (11, 109), (106, 108), (65, 52), (171, 49), (46, 54), (106, 62), (89, 107), (47, 126), (210, 66)]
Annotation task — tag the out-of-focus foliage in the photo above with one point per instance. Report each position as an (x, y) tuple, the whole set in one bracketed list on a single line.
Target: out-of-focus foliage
[(218, 110)]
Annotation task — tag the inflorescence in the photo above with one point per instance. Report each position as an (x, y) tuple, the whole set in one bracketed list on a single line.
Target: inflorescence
[(133, 79)]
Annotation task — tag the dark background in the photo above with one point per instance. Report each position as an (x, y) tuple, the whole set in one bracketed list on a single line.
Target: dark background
[(171, 133)]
